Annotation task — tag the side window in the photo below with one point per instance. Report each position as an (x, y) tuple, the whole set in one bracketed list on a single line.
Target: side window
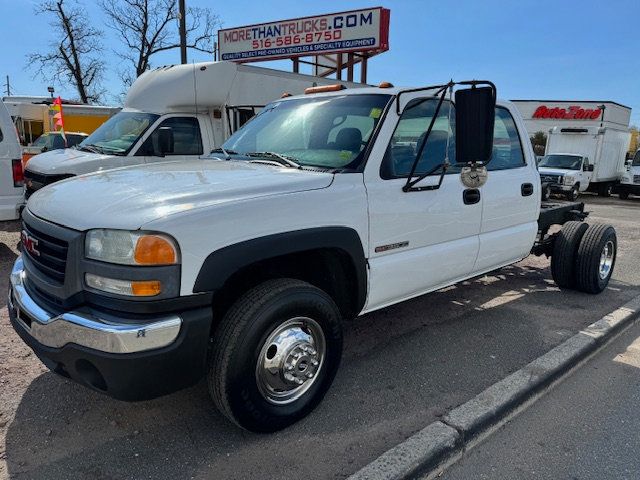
[(186, 138), (410, 133), (507, 149), (1, 135)]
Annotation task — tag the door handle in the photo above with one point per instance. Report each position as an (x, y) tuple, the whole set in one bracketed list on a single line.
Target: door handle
[(471, 196), (526, 189)]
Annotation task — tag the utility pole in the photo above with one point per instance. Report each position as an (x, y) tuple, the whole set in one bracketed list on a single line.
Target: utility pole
[(8, 87), (183, 31)]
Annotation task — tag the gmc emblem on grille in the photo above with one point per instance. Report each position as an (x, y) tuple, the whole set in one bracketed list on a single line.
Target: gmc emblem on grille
[(29, 243)]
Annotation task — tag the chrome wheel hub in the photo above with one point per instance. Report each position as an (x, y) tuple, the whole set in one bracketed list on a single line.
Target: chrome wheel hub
[(606, 260), (290, 360)]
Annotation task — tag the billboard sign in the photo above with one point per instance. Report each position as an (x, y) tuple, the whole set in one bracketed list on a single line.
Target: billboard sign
[(352, 31)]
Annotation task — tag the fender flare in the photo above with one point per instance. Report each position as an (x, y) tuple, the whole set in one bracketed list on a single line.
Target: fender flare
[(221, 264)]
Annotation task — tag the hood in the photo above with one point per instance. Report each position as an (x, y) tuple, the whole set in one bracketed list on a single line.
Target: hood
[(128, 198), (74, 162), (555, 171)]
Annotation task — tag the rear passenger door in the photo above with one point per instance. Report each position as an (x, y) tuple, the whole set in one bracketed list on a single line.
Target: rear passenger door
[(510, 198), (187, 140)]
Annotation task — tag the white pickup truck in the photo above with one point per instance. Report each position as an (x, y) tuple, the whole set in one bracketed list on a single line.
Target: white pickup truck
[(140, 281)]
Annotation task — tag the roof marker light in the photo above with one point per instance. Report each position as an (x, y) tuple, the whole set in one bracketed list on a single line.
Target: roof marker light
[(324, 88)]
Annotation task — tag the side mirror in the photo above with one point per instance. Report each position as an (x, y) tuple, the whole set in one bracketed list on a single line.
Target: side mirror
[(44, 149), (475, 116), (165, 140), (590, 168)]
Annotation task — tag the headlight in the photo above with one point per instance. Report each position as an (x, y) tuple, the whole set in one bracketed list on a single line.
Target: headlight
[(131, 248), (568, 180)]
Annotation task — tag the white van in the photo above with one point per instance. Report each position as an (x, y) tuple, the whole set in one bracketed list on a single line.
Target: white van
[(11, 178), (177, 112)]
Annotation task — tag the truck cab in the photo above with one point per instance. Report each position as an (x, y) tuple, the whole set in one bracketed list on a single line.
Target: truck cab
[(566, 174), (630, 182)]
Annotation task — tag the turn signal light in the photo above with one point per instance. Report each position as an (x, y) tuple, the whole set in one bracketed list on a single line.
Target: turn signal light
[(285, 95), (385, 85), (130, 288), (324, 88), (154, 250), (147, 288)]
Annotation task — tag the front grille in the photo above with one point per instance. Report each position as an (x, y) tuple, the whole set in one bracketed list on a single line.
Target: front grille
[(551, 178), (52, 257), (35, 181), (636, 179)]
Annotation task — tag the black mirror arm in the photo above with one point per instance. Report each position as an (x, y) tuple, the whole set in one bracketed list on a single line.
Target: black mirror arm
[(410, 185), (410, 182)]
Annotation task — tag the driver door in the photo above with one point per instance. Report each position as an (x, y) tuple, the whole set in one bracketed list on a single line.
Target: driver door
[(422, 240), (187, 141)]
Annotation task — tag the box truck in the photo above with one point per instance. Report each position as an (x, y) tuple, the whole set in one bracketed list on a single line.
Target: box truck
[(584, 158), (176, 112)]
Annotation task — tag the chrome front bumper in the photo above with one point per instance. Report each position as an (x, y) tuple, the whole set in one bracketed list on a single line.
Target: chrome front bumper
[(88, 330)]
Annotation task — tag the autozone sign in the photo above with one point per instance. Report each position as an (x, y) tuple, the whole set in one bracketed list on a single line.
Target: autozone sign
[(355, 30), (572, 113)]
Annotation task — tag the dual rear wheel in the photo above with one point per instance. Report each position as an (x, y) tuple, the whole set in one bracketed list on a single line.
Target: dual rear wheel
[(584, 256)]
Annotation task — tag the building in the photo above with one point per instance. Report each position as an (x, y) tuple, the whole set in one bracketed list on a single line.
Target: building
[(542, 115)]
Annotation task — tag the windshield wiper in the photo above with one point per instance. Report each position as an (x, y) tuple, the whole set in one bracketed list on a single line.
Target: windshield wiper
[(90, 148), (277, 157), (227, 153)]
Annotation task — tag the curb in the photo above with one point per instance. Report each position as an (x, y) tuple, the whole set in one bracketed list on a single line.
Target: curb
[(435, 446)]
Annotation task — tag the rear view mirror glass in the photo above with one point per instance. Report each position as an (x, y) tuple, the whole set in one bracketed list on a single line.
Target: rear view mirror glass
[(475, 117)]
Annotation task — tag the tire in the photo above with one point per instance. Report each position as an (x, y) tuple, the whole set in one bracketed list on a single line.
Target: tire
[(573, 194), (565, 251), (245, 339), (592, 274), (605, 189), (623, 195)]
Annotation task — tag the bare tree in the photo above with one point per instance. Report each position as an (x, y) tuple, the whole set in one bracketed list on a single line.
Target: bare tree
[(74, 57), (145, 27)]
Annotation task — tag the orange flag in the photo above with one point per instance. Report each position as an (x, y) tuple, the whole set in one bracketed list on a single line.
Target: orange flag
[(56, 106)]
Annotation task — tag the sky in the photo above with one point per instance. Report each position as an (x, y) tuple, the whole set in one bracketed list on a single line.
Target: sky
[(531, 49)]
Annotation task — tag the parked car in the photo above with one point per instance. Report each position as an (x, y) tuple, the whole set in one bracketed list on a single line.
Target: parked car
[(11, 174), (140, 281), (54, 141)]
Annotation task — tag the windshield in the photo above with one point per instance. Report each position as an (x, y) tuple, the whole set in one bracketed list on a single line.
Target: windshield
[(330, 132), (118, 134), (636, 159), (565, 162)]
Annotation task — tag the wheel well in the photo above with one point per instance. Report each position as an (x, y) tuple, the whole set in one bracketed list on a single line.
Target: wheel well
[(330, 269)]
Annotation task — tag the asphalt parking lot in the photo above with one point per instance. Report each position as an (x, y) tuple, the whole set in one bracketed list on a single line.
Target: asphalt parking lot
[(403, 367)]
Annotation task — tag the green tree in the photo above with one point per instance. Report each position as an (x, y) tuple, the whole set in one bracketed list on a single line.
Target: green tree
[(539, 142)]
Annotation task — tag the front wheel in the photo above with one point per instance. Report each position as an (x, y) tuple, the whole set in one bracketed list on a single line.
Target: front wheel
[(623, 195), (573, 194), (275, 354)]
